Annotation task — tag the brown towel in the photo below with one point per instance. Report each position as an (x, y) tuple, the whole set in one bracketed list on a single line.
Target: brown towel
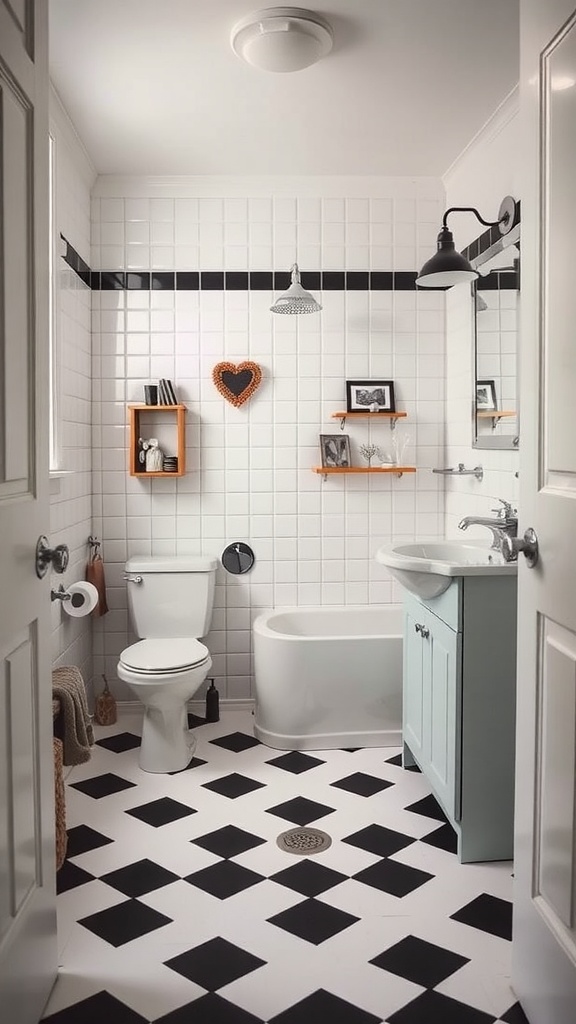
[(73, 725), (95, 575)]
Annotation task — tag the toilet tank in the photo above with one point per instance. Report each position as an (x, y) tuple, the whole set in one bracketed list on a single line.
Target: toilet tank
[(174, 598)]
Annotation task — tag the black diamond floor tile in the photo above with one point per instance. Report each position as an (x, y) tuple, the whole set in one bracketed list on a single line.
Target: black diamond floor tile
[(209, 1009), (228, 841), (429, 807), (82, 839), (96, 1009), (124, 922), (102, 785), (313, 921), (397, 760), (161, 812), (324, 1008), (489, 914), (70, 876), (195, 720), (443, 838), (362, 784), (391, 877), (434, 1008), (419, 961), (300, 810), (194, 763), (379, 840), (139, 878), (295, 762), (233, 785), (308, 877), (515, 1015), (224, 879), (236, 742), (214, 964), (120, 742)]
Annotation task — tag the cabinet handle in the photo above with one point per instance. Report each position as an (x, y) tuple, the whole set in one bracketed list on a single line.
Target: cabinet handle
[(423, 630)]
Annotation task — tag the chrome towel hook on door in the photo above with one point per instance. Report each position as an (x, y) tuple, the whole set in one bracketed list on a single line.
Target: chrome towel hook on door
[(57, 557)]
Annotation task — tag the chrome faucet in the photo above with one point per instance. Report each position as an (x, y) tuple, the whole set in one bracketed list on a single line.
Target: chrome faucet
[(503, 524)]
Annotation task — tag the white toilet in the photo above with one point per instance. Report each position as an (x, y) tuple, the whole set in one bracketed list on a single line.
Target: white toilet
[(170, 604)]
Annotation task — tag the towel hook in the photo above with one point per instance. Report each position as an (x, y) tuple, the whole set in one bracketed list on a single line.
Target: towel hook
[(95, 545)]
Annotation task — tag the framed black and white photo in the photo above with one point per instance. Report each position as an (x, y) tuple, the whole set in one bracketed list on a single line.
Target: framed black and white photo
[(335, 450), (485, 394), (370, 396)]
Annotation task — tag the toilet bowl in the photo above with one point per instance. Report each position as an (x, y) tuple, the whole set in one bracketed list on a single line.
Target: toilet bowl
[(164, 675), (170, 604)]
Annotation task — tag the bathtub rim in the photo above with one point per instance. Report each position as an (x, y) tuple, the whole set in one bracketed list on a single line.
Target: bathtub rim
[(260, 624)]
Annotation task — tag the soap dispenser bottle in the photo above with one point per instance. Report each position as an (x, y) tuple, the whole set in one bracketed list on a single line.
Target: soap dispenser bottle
[(212, 702)]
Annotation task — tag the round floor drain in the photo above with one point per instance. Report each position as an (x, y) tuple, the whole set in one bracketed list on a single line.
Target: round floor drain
[(304, 841)]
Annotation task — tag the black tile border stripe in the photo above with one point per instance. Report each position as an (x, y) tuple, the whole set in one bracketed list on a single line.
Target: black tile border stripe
[(256, 280), (238, 280), (488, 238), (76, 263)]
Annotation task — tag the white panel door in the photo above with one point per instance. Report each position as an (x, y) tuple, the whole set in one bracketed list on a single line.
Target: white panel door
[(544, 939), (27, 862)]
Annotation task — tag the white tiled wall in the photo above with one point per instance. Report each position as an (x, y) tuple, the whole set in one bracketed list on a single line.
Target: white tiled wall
[(483, 175), (249, 472), (71, 500)]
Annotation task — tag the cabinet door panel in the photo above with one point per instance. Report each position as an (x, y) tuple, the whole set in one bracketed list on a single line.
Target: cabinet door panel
[(415, 651), (443, 700)]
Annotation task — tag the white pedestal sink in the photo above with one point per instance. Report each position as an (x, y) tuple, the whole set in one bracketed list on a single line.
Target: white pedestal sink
[(427, 568)]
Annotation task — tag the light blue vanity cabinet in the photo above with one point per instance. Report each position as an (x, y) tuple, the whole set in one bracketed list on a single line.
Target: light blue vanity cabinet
[(459, 707)]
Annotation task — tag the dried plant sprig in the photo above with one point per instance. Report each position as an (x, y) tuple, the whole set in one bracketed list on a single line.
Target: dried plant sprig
[(368, 451)]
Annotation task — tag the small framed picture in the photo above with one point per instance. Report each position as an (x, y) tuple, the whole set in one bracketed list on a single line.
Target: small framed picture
[(335, 450), (485, 394), (370, 396)]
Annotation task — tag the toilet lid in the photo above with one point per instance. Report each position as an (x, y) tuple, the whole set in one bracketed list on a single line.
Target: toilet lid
[(165, 655)]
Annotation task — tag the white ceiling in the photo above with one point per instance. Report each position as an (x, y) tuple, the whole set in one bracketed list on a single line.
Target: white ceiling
[(153, 86)]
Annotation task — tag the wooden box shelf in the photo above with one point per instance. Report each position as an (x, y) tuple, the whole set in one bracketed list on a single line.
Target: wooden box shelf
[(137, 413)]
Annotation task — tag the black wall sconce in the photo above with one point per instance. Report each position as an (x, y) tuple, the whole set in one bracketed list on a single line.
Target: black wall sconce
[(448, 267)]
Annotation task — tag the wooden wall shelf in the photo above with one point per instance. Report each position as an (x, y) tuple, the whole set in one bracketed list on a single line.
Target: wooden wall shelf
[(494, 414), (136, 412), (391, 417), (334, 470)]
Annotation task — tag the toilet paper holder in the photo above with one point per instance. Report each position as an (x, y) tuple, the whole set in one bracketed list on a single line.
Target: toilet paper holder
[(76, 600)]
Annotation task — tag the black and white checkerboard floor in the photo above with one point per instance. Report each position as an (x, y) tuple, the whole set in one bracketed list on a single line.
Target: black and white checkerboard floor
[(176, 905)]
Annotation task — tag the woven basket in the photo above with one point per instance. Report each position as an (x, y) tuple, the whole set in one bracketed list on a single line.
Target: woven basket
[(61, 835)]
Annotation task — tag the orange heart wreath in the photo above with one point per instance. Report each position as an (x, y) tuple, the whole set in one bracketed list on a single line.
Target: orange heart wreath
[(237, 383)]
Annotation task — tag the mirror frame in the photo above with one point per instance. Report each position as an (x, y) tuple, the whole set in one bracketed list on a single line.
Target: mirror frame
[(501, 442)]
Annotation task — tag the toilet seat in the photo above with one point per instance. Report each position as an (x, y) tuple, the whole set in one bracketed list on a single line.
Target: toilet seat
[(164, 656)]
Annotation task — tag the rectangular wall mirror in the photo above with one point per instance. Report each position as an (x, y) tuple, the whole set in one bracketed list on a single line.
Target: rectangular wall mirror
[(495, 413)]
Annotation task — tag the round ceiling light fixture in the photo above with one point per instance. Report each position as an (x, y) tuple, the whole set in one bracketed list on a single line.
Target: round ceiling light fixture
[(282, 38)]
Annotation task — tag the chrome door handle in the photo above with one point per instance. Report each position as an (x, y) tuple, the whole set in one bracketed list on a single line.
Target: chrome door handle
[(57, 557), (423, 630), (528, 545)]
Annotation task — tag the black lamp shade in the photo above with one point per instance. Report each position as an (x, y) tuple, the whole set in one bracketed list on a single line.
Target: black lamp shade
[(446, 267)]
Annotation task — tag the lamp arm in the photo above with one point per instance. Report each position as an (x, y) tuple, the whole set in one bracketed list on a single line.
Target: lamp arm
[(470, 209)]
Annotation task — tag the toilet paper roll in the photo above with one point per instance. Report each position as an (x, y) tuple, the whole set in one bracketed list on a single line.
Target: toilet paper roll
[(83, 599)]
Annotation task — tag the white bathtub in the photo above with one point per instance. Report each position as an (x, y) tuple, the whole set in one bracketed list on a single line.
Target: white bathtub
[(329, 677)]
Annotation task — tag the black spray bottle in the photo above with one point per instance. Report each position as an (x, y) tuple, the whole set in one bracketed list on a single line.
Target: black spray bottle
[(212, 702)]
